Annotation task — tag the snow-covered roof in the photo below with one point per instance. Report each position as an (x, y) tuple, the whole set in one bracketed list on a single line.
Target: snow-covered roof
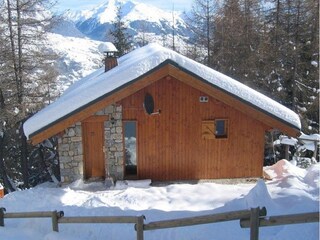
[(134, 65)]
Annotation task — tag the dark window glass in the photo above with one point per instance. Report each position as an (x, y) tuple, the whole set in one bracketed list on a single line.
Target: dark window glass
[(130, 140), (221, 128)]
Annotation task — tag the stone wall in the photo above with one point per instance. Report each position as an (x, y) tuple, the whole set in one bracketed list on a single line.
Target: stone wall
[(71, 152), (114, 142)]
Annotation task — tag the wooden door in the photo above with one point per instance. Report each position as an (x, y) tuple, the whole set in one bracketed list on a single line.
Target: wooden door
[(93, 147)]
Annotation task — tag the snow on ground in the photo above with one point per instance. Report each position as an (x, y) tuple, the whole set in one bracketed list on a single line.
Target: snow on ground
[(292, 190)]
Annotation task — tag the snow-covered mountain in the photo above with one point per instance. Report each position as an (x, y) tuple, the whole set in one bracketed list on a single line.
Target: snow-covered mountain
[(78, 34), (143, 21)]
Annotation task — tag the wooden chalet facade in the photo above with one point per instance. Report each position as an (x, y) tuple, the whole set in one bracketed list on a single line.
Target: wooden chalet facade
[(180, 126), (180, 142)]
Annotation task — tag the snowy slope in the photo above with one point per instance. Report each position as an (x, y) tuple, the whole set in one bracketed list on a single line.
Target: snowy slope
[(293, 190), (78, 57), (67, 28)]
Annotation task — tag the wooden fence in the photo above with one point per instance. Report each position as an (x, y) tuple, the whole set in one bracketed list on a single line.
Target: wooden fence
[(253, 219)]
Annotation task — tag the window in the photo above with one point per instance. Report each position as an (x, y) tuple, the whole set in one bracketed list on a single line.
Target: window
[(221, 128), (130, 140), (213, 129)]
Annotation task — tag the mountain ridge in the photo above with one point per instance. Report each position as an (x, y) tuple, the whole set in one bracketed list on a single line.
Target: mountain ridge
[(139, 17)]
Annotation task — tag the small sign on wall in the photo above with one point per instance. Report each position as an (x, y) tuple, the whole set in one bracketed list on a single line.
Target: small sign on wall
[(203, 99)]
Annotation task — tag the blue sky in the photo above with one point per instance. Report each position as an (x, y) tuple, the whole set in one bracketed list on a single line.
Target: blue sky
[(88, 4)]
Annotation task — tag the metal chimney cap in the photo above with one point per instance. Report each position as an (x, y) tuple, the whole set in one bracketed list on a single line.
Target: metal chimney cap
[(107, 47)]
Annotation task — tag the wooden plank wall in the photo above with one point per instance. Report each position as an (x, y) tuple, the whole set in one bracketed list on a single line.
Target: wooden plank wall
[(94, 157), (170, 145)]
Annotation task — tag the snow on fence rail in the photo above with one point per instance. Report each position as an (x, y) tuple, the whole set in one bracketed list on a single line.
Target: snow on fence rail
[(253, 219)]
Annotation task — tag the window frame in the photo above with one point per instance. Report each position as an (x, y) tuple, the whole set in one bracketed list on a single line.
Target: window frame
[(225, 133), (126, 173)]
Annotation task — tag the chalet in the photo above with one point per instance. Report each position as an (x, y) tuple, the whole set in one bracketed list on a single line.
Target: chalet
[(155, 114)]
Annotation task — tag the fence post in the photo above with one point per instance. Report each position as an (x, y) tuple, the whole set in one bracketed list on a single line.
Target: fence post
[(139, 227), (2, 210), (254, 223), (54, 217)]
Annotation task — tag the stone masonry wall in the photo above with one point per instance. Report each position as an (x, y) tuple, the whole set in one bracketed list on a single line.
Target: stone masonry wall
[(71, 152), (114, 142)]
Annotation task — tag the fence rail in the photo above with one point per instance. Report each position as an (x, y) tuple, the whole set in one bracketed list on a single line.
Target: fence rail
[(205, 219), (54, 215), (253, 219), (283, 220)]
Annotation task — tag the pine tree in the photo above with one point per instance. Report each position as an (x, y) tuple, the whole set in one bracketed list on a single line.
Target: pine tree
[(292, 56), (236, 40), (119, 34), (307, 65), (27, 70), (200, 22), (229, 48)]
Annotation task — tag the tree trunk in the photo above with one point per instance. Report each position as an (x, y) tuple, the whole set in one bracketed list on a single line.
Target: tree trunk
[(12, 42), (24, 157), (19, 64), (208, 33)]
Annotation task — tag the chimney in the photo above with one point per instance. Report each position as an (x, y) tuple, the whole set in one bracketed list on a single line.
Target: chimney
[(109, 51), (110, 62)]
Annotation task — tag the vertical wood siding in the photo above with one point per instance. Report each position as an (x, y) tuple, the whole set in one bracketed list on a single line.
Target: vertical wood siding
[(171, 147), (93, 140)]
